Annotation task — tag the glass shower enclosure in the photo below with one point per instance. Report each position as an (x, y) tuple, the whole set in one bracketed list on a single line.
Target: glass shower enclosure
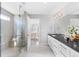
[(19, 32)]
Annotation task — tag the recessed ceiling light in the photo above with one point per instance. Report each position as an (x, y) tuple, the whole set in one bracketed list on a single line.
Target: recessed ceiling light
[(4, 17)]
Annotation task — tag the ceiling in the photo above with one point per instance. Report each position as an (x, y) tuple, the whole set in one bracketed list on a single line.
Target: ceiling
[(42, 8)]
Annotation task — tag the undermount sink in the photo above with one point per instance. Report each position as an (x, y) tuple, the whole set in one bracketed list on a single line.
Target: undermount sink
[(54, 35)]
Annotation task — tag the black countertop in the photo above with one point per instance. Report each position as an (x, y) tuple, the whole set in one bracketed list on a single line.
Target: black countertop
[(60, 37)]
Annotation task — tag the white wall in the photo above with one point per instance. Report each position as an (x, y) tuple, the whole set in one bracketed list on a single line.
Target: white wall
[(44, 23), (44, 27), (59, 25), (7, 28), (74, 21)]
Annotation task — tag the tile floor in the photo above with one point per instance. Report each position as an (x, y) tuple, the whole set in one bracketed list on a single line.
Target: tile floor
[(9, 52), (37, 51)]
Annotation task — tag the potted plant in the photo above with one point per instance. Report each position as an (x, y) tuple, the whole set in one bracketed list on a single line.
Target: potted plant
[(72, 30)]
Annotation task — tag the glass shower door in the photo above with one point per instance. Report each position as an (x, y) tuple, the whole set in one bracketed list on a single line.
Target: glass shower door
[(19, 33)]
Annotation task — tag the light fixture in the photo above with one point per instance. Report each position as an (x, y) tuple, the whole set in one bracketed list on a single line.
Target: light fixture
[(4, 17), (19, 10)]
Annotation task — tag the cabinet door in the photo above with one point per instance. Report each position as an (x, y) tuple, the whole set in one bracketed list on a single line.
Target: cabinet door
[(56, 48), (57, 51), (64, 51), (73, 53), (61, 48), (68, 52)]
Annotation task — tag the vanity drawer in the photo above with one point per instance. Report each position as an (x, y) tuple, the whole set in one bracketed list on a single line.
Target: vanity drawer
[(73, 54), (64, 51), (60, 49), (56, 49)]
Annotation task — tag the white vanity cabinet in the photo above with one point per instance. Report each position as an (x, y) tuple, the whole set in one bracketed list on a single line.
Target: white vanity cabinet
[(54, 46), (61, 50)]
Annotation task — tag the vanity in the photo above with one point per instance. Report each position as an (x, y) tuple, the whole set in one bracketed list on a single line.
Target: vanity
[(60, 47)]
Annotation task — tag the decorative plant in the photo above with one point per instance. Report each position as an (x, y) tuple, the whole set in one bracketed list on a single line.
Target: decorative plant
[(72, 30)]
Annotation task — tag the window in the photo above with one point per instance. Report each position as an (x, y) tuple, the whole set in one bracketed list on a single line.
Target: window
[(4, 17)]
